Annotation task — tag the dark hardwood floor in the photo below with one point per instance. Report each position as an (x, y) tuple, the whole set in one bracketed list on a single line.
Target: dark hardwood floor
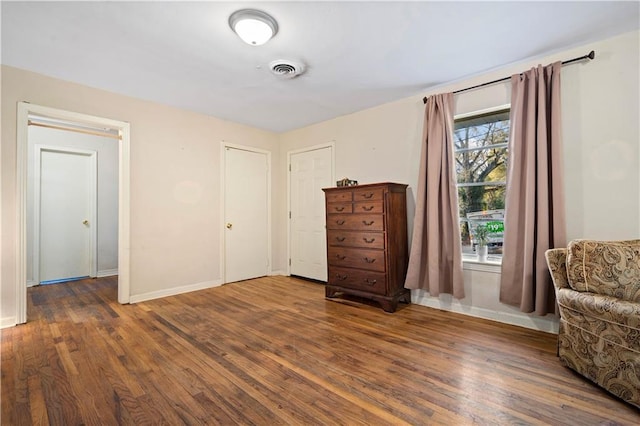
[(274, 351)]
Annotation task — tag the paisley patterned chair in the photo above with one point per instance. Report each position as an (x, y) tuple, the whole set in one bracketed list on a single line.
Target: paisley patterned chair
[(597, 286)]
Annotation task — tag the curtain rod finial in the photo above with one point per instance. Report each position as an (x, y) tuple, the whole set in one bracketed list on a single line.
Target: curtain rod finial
[(424, 99), (591, 54)]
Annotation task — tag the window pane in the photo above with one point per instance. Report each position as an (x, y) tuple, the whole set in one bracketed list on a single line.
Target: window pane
[(484, 206), (481, 166), (479, 198), (481, 119), (476, 158), (486, 165), (493, 221)]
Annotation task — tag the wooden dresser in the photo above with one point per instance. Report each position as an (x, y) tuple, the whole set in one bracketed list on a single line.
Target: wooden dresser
[(367, 242)]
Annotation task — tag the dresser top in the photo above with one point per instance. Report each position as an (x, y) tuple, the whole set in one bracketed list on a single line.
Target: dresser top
[(395, 187)]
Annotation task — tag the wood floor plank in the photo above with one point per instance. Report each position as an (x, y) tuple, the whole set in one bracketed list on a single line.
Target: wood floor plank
[(274, 351), (11, 350), (37, 404)]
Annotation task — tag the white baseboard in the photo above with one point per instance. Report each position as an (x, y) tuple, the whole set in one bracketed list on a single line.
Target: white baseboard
[(107, 273), (174, 291), (272, 273), (7, 322), (31, 283), (546, 324)]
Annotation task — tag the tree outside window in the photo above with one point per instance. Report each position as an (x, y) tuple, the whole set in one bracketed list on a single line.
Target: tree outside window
[(481, 155)]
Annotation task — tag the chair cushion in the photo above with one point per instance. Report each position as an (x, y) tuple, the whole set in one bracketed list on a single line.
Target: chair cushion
[(610, 268)]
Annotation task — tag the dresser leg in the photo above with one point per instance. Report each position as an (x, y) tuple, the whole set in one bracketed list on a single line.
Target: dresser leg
[(389, 305), (406, 296), (329, 291)]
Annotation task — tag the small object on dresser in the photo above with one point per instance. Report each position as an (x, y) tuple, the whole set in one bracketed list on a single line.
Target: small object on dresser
[(346, 182)]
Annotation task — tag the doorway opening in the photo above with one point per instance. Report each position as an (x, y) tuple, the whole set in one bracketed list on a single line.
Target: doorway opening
[(52, 118)]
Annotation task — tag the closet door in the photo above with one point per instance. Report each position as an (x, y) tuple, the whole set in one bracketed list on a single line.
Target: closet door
[(246, 207), (310, 172), (66, 200)]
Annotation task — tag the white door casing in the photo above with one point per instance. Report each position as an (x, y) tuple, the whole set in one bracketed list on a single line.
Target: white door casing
[(26, 109), (310, 170), (65, 206), (247, 223)]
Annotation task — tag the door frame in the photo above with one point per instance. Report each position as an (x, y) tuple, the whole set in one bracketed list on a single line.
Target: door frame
[(24, 110), (93, 156), (223, 187), (332, 146)]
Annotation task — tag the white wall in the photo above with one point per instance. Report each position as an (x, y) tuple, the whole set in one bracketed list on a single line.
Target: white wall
[(107, 214), (600, 102), (176, 228)]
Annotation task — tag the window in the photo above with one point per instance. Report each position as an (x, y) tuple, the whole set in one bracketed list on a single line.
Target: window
[(481, 166)]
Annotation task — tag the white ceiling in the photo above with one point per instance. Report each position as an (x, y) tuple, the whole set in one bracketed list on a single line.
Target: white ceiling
[(357, 54)]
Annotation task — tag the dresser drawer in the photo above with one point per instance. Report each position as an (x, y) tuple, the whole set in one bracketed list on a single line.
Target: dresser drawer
[(339, 208), (373, 240), (372, 282), (372, 260), (357, 222), (339, 196), (368, 207), (368, 194)]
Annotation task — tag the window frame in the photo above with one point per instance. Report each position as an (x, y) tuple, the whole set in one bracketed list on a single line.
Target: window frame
[(471, 262)]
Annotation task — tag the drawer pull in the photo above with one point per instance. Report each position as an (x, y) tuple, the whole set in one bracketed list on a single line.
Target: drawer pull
[(370, 282), (367, 208), (339, 209), (341, 277), (368, 241), (368, 195), (365, 223), (340, 239), (341, 257), (366, 259), (340, 222)]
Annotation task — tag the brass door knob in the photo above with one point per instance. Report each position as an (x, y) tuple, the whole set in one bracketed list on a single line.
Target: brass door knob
[(229, 225), (85, 222)]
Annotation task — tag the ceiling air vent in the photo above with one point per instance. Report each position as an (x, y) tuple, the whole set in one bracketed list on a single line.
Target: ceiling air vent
[(286, 69)]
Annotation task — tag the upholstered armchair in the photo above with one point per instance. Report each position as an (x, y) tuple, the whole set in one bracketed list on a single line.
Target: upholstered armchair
[(597, 285)]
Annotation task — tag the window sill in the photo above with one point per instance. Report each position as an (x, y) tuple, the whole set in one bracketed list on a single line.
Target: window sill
[(471, 263)]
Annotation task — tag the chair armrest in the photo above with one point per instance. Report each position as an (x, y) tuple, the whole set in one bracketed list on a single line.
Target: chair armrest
[(557, 263), (584, 309)]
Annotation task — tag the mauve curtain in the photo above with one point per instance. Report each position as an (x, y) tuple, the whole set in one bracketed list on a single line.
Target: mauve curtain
[(435, 262), (534, 216)]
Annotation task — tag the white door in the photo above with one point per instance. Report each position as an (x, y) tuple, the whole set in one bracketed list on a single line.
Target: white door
[(246, 214), (65, 213), (310, 172)]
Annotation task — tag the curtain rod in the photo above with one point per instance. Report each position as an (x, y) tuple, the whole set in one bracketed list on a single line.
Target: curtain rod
[(589, 56), (73, 129)]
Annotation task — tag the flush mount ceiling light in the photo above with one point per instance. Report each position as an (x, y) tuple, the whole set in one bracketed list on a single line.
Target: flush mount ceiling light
[(254, 27)]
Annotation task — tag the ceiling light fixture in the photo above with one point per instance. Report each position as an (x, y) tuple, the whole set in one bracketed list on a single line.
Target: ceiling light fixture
[(253, 26)]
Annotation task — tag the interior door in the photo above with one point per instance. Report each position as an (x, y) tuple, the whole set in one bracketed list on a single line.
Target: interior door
[(310, 172), (66, 204), (246, 214)]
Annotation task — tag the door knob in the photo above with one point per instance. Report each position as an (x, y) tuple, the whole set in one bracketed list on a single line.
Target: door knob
[(85, 222), (229, 225)]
